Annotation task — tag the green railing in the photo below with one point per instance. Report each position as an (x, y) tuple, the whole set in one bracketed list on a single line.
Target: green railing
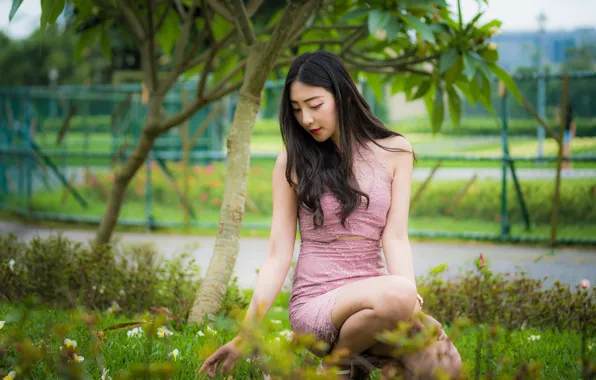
[(98, 126)]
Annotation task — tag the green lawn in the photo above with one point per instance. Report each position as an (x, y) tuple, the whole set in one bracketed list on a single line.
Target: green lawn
[(556, 352)]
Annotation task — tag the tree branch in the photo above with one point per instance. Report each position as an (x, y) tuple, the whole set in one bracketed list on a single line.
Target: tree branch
[(351, 40), (134, 23), (180, 9), (162, 18), (221, 44), (195, 105), (221, 9), (397, 63), (528, 106), (151, 46), (318, 42), (242, 22)]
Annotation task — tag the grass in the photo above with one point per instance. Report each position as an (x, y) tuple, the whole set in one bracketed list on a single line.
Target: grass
[(557, 352)]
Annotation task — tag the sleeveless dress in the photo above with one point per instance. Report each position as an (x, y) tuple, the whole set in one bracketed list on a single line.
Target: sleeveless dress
[(326, 263)]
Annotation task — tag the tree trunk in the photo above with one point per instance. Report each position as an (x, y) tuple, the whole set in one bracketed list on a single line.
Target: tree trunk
[(232, 210), (260, 63)]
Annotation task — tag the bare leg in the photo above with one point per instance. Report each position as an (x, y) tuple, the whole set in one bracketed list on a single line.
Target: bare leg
[(365, 308)]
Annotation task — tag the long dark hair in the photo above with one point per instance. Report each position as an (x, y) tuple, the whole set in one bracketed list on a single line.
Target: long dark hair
[(321, 166)]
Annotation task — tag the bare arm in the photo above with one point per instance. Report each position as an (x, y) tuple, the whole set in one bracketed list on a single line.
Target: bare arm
[(396, 245), (281, 245)]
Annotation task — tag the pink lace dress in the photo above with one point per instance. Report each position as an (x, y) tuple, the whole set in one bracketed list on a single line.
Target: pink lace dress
[(326, 263)]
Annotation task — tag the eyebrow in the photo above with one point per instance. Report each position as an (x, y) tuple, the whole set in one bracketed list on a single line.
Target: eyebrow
[(307, 100)]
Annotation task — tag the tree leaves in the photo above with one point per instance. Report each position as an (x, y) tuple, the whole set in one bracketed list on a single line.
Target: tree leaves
[(377, 20), (50, 10), (507, 80), (425, 30), (13, 10)]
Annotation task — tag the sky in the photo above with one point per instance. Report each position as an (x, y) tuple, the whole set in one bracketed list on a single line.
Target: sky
[(516, 15)]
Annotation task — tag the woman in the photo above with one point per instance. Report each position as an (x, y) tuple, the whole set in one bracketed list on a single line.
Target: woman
[(568, 135), (346, 178)]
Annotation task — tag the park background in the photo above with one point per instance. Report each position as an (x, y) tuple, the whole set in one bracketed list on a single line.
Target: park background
[(71, 116)]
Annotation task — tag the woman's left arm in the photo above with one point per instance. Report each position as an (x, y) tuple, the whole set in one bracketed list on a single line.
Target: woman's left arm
[(396, 245)]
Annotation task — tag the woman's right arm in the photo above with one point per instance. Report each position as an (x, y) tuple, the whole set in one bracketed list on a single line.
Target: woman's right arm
[(281, 245), (273, 272)]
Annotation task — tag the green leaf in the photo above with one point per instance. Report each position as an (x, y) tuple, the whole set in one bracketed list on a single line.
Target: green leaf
[(398, 84), (454, 104), (471, 23), (454, 71), (354, 15), (221, 26), (392, 29), (169, 32), (469, 66), (507, 80), (50, 10), (447, 60), (376, 84), (422, 89), (425, 31), (486, 94), (15, 5), (411, 82), (481, 65), (464, 87), (377, 20), (438, 111), (489, 55)]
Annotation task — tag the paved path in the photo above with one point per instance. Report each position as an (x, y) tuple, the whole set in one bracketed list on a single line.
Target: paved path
[(569, 265), (444, 174)]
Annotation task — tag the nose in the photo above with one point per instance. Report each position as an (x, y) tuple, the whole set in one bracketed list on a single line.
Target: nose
[(307, 118)]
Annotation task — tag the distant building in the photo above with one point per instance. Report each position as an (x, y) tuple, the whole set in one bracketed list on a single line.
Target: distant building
[(519, 48)]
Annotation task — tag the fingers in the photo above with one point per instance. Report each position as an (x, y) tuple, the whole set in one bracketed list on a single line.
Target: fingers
[(228, 364), (211, 364)]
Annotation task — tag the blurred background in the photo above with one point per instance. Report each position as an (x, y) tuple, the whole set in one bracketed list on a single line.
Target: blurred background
[(84, 113)]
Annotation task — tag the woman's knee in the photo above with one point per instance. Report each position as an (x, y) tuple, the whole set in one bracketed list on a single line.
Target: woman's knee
[(396, 300)]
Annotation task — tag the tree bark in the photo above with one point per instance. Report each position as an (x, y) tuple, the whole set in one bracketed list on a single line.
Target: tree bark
[(261, 60)]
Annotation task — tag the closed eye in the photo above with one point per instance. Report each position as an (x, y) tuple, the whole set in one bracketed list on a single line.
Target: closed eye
[(317, 106)]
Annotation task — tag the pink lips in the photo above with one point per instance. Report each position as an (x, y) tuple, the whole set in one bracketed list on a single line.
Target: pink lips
[(315, 131)]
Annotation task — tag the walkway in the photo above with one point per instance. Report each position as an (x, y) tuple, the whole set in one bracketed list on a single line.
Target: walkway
[(569, 265)]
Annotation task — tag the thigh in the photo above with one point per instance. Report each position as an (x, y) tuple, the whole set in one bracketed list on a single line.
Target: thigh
[(371, 293)]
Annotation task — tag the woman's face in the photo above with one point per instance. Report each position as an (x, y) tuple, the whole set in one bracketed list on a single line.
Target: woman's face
[(314, 108)]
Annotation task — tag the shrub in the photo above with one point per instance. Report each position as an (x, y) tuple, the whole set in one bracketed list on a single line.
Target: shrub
[(63, 274), (483, 201)]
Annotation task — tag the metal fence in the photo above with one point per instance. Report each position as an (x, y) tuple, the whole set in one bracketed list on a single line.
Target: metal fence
[(59, 148)]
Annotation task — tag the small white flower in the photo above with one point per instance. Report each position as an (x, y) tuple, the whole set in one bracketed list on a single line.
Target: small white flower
[(2, 323), (211, 330), (288, 334), (174, 354), (201, 333), (534, 337), (163, 332), (277, 339), (278, 309), (591, 347), (11, 265), (94, 287), (101, 290), (11, 376), (104, 375), (70, 343), (134, 332), (121, 292), (78, 359), (248, 360), (276, 321)]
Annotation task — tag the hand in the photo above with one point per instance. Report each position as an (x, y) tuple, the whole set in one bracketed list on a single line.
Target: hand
[(226, 354), (426, 321)]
